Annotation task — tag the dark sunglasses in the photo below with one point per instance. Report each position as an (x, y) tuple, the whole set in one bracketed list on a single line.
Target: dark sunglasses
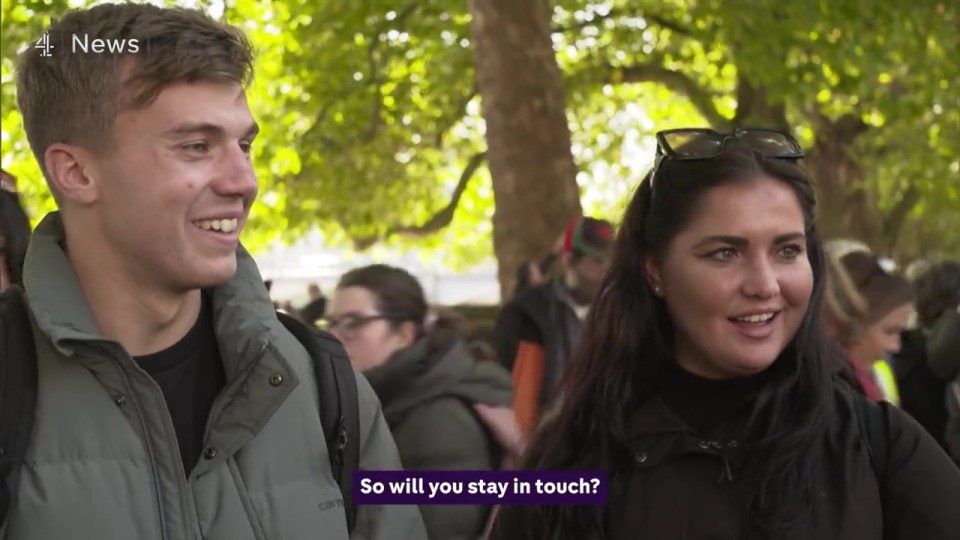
[(691, 144)]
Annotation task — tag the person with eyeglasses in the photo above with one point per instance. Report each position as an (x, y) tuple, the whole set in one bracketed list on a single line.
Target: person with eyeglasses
[(440, 402), (705, 386), (14, 233)]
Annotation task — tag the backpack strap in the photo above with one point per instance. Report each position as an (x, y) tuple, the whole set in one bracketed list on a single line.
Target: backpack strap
[(339, 405), (18, 392), (873, 432)]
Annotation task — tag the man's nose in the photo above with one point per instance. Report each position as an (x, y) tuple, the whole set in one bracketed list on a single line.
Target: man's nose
[(237, 177)]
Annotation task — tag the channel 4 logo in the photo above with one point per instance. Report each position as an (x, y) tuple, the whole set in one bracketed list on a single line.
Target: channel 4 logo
[(86, 44)]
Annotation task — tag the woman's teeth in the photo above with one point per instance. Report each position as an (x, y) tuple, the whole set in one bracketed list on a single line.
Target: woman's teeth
[(761, 318)]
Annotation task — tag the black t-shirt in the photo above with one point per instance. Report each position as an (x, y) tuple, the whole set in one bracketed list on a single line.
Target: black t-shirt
[(190, 375)]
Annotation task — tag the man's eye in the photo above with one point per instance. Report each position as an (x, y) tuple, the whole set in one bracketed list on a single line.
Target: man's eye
[(197, 148), (246, 146)]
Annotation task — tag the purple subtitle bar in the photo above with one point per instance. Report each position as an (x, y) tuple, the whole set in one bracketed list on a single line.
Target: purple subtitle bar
[(480, 487)]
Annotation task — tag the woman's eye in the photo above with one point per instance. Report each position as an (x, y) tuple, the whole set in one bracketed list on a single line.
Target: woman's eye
[(791, 251), (723, 254)]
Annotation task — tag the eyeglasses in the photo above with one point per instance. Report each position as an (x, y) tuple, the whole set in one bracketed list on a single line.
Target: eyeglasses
[(349, 326), (693, 144)]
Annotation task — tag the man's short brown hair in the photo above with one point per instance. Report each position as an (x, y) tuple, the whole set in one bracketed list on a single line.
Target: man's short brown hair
[(73, 97)]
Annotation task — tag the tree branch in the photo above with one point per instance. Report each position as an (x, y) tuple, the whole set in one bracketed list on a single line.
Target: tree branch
[(843, 130), (580, 25), (753, 106), (898, 215), (439, 220), (850, 126), (456, 116), (676, 81), (376, 120), (619, 13), (669, 25)]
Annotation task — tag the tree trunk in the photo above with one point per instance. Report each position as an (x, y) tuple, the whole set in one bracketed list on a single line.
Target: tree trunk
[(528, 139), (844, 207)]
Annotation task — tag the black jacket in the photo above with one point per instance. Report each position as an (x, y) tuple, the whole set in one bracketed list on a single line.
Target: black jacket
[(687, 478), (943, 351), (540, 315), (921, 390)]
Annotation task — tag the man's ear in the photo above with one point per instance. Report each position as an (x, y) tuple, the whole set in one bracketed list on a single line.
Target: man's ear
[(72, 173)]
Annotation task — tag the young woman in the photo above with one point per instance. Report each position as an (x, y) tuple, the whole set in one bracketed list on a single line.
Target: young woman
[(704, 385), (867, 311), (889, 306), (433, 392)]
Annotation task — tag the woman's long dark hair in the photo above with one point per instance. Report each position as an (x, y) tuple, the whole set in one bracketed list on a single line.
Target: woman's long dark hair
[(628, 338)]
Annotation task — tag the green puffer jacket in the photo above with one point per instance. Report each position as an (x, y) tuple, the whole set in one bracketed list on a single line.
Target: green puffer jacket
[(104, 463), (427, 391)]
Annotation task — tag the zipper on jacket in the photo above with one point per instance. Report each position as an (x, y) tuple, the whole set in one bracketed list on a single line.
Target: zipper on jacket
[(150, 453)]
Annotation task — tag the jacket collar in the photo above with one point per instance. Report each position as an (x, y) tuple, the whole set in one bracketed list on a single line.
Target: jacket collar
[(243, 313), (417, 373)]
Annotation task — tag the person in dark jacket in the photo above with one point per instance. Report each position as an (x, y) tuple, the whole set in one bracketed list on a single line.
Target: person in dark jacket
[(704, 385), (427, 381), (537, 331), (14, 232), (938, 310), (316, 306), (921, 376)]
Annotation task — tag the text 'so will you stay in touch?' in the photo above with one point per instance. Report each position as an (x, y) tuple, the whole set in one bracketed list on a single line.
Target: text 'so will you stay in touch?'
[(480, 487)]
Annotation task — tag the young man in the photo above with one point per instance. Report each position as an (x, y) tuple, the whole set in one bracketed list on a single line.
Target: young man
[(171, 402), (540, 327)]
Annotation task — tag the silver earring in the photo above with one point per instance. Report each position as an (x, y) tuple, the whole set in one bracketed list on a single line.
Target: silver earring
[(656, 290)]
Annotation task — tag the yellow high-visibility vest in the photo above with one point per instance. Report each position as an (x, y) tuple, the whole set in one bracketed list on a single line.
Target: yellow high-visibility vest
[(886, 381)]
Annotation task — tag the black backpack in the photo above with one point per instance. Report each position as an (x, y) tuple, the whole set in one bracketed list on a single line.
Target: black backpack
[(874, 434), (336, 383)]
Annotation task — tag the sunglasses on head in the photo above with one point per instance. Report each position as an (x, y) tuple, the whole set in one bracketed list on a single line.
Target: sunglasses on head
[(691, 144)]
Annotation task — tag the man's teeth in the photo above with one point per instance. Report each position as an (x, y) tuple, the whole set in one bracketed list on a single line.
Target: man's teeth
[(222, 225), (763, 317)]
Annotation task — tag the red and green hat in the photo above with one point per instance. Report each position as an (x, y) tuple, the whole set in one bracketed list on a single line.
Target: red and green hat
[(588, 236)]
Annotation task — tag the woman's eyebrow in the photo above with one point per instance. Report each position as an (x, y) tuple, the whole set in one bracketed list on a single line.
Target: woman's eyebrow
[(740, 241)]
